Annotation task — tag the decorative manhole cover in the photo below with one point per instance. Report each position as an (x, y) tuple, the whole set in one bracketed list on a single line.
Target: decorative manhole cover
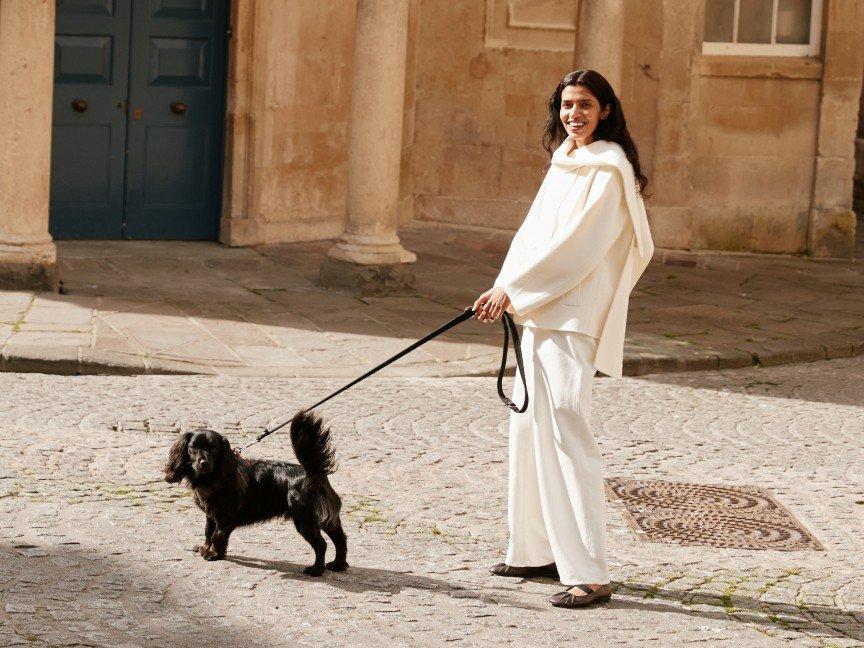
[(738, 517)]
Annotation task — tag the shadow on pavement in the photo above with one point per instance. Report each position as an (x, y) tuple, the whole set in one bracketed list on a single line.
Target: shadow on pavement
[(813, 620), (366, 579), (65, 594), (815, 382)]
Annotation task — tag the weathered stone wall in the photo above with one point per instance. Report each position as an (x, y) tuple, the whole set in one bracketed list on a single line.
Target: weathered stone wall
[(859, 162), (480, 111), (756, 125), (733, 145), (406, 178), (832, 221), (288, 112)]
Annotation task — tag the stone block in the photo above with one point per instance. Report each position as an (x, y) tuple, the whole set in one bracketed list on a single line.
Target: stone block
[(843, 88), (674, 67), (532, 73), (521, 173), (670, 226), (779, 352), (838, 126), (718, 229), (845, 14), (746, 181), (832, 233), (472, 211), (674, 130), (844, 54), (18, 272), (471, 171), (427, 167), (721, 91), (40, 358), (832, 189), (536, 123), (680, 23), (739, 130), (671, 181), (642, 25), (102, 361), (783, 232), (367, 280), (517, 105), (774, 67)]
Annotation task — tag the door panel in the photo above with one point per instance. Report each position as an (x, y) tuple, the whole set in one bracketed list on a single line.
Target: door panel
[(91, 51), (177, 82), (138, 107)]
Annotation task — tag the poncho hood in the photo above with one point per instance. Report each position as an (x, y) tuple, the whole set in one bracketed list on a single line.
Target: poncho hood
[(610, 154), (610, 349)]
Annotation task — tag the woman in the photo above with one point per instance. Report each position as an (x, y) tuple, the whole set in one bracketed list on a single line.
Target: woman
[(567, 279)]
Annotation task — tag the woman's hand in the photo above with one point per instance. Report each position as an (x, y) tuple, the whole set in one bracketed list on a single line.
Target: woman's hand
[(491, 305)]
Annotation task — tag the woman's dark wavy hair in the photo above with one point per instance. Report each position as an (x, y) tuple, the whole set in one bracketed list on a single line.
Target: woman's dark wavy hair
[(613, 128)]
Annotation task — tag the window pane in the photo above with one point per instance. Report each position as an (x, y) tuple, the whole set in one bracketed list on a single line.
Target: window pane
[(718, 21), (754, 21), (793, 21)]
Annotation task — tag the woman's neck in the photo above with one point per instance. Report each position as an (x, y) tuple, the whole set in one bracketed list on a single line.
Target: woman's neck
[(576, 145)]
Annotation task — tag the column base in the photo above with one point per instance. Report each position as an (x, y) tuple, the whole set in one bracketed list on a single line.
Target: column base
[(28, 267), (375, 280), (832, 234), (370, 250)]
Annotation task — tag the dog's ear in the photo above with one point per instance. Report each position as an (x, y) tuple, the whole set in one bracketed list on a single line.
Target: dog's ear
[(178, 459), (227, 460)]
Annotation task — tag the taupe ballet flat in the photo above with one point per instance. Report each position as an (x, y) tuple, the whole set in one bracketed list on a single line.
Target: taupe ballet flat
[(503, 569), (567, 600)]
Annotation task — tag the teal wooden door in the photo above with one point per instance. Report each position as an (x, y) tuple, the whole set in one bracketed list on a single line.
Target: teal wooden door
[(161, 175), (88, 147), (175, 142)]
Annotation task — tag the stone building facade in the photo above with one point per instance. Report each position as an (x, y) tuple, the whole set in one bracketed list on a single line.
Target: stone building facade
[(348, 118)]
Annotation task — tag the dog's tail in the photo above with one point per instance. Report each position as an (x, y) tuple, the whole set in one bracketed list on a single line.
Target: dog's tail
[(311, 441)]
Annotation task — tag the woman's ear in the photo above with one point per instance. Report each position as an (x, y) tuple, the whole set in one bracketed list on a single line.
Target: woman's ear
[(178, 459)]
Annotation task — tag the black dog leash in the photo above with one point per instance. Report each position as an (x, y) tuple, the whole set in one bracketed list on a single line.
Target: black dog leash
[(509, 329)]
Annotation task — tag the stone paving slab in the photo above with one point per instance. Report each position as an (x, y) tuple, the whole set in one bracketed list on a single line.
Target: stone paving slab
[(179, 307), (94, 546)]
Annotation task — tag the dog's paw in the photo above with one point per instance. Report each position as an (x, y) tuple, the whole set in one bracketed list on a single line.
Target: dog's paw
[(337, 566), (200, 549), (212, 555), (314, 570)]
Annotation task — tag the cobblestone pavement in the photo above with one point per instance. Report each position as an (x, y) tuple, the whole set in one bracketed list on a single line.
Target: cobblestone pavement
[(177, 307), (94, 547)]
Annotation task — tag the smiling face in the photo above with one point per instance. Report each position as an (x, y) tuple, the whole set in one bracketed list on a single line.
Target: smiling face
[(580, 113)]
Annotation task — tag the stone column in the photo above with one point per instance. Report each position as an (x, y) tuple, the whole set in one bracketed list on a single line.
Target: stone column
[(368, 258), (832, 221), (28, 258), (600, 41)]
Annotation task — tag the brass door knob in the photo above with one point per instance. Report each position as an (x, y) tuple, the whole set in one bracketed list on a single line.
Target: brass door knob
[(178, 107), (79, 105)]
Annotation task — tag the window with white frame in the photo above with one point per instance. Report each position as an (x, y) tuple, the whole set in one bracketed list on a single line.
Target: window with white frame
[(762, 27)]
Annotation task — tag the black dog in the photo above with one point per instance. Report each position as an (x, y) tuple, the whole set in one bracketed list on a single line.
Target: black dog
[(234, 492)]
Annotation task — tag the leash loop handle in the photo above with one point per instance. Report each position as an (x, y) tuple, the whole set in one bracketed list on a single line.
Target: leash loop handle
[(508, 323)]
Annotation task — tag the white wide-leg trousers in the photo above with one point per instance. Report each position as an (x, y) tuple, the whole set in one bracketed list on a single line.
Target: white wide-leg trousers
[(556, 503)]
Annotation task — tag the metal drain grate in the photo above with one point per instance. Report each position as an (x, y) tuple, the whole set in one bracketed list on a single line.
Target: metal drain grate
[(737, 517)]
